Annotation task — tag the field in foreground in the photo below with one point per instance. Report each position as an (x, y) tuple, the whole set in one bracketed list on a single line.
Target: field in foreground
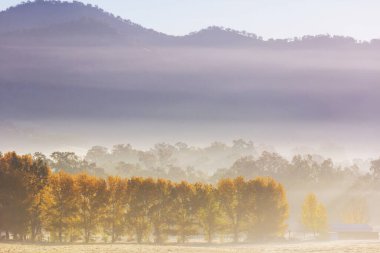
[(325, 247)]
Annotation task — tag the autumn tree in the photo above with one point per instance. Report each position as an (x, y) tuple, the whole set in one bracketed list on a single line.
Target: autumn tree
[(355, 211), (2, 193), (161, 209), (12, 194), (314, 215), (60, 206), (139, 197), (210, 215), (37, 178), (267, 209), (232, 195), (92, 203), (22, 179), (116, 207), (185, 210)]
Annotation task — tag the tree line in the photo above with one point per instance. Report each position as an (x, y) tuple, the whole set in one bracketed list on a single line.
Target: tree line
[(36, 204), (212, 163)]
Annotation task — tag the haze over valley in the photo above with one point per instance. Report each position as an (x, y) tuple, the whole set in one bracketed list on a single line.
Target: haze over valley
[(118, 137), (83, 77)]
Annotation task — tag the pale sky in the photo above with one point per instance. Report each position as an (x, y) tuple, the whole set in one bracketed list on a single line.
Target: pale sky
[(267, 18)]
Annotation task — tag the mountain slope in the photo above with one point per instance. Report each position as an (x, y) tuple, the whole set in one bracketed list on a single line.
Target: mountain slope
[(42, 17), (46, 13)]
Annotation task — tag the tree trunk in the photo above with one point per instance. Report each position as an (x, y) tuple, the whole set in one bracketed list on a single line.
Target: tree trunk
[(236, 235), (183, 236), (157, 232), (60, 234), (139, 237), (88, 234), (113, 232), (209, 236), (60, 230), (33, 234)]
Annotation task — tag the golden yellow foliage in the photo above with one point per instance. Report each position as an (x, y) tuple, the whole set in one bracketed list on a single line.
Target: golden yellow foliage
[(73, 207), (314, 215)]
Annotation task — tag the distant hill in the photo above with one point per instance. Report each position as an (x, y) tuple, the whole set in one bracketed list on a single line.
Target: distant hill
[(40, 13), (44, 18), (54, 18)]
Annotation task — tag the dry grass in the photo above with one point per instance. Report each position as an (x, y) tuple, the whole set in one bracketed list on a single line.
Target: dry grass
[(326, 247)]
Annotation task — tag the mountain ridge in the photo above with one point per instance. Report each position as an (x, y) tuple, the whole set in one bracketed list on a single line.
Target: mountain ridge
[(40, 14)]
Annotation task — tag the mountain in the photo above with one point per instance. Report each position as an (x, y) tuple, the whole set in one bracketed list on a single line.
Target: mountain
[(77, 63), (219, 36), (51, 18), (46, 18), (42, 13)]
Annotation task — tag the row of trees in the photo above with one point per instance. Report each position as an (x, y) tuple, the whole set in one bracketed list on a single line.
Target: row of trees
[(219, 160), (35, 202), (162, 157), (212, 163), (301, 171), (173, 162)]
